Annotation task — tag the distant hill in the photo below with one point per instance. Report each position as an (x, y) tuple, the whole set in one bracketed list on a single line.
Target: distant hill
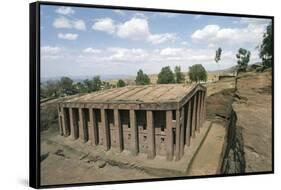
[(233, 68), (81, 78)]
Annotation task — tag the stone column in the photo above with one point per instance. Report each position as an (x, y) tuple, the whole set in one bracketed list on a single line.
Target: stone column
[(134, 133), (169, 135), (93, 137), (118, 127), (60, 122), (182, 134), (188, 124), (204, 106), (177, 151), (73, 124), (202, 109), (82, 126), (151, 135), (198, 111), (63, 117), (104, 123), (193, 110)]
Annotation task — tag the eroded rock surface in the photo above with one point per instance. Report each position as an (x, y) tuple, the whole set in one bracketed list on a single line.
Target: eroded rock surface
[(254, 117)]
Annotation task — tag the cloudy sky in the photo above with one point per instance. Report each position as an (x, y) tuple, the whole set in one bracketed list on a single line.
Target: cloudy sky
[(87, 41)]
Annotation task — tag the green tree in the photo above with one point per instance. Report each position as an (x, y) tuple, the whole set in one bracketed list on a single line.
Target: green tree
[(92, 85), (166, 76), (43, 91), (52, 89), (80, 87), (218, 55), (179, 76), (121, 83), (266, 48), (106, 85), (66, 85), (197, 73), (88, 85), (243, 58), (142, 78), (218, 58), (96, 83)]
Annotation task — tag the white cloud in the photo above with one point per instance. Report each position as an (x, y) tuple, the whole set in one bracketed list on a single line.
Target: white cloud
[(79, 24), (162, 38), (68, 36), (65, 10), (168, 15), (104, 24), (63, 22), (50, 49), (50, 52), (122, 60), (255, 56), (153, 60), (136, 29), (211, 45), (140, 15), (125, 55), (171, 51), (208, 32), (254, 21), (91, 50), (184, 43), (250, 35), (120, 12)]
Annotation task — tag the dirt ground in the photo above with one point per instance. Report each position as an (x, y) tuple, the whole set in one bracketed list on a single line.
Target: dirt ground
[(60, 165), (208, 159), (66, 166)]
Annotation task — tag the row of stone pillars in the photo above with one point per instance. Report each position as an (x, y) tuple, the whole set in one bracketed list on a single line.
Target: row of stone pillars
[(179, 129), (189, 118)]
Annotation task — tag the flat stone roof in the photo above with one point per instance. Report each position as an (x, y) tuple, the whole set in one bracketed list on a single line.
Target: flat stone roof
[(147, 93), (143, 94)]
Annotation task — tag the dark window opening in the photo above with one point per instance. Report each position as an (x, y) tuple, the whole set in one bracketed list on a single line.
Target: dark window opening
[(174, 136), (174, 114), (110, 116), (141, 118), (144, 127), (98, 115), (125, 117), (144, 138), (159, 118)]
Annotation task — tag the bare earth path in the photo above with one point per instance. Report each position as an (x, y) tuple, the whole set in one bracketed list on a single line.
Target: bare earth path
[(207, 160)]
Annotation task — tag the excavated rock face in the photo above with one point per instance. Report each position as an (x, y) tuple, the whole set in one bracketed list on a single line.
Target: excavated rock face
[(249, 144), (234, 160), (219, 105), (254, 117), (220, 109)]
